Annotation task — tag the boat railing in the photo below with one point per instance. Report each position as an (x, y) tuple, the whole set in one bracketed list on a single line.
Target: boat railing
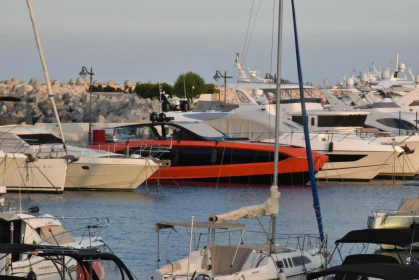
[(90, 230), (298, 241)]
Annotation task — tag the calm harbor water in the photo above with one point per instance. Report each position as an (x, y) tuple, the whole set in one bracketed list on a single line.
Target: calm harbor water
[(131, 233)]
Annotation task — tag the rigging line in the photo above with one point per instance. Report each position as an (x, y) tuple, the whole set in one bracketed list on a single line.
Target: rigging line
[(248, 25), (251, 33), (272, 37)]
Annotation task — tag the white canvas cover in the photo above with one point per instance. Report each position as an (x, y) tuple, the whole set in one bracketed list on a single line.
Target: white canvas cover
[(269, 208), (408, 205)]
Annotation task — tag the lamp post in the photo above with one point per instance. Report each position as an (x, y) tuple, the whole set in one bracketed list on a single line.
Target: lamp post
[(83, 74), (217, 77)]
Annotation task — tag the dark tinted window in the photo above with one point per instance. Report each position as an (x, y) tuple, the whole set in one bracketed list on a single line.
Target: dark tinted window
[(38, 139), (290, 262), (279, 264), (300, 260), (397, 123), (342, 121), (286, 263), (298, 119), (313, 122)]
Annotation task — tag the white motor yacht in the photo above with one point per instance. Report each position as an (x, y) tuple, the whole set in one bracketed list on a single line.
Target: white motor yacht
[(331, 133), (391, 125), (87, 168)]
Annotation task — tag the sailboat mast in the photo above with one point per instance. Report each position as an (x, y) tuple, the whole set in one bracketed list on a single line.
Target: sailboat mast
[(316, 201), (44, 66), (277, 112)]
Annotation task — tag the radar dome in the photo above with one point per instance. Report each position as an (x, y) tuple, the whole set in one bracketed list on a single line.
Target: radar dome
[(364, 78), (402, 66), (386, 74), (350, 83), (257, 92)]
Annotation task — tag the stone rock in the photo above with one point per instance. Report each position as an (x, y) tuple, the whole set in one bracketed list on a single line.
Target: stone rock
[(110, 83), (96, 83), (55, 83), (37, 84), (14, 81), (80, 82), (32, 81), (72, 82), (128, 83), (101, 119), (23, 83)]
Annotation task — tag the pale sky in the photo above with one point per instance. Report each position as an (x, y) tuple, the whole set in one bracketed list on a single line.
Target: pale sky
[(157, 40)]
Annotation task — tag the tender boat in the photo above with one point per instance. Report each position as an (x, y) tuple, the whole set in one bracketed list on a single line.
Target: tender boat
[(199, 152)]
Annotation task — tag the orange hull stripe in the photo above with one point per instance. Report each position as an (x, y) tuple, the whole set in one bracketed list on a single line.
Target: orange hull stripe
[(292, 165)]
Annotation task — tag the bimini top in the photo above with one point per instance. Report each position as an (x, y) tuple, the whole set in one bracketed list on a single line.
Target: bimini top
[(380, 271), (164, 224), (397, 237)]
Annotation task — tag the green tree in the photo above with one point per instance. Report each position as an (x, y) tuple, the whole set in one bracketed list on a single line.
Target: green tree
[(147, 90), (152, 90), (210, 88), (168, 89), (185, 82)]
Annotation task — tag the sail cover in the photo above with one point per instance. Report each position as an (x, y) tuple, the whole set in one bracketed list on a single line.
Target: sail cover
[(269, 208)]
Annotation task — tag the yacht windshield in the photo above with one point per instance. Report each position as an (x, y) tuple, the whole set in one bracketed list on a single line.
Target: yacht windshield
[(204, 130), (39, 139)]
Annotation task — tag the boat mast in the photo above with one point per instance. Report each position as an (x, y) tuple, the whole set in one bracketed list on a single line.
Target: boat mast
[(316, 202), (44, 66), (277, 115)]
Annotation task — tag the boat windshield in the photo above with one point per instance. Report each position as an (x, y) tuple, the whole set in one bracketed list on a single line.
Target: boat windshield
[(204, 131), (41, 138)]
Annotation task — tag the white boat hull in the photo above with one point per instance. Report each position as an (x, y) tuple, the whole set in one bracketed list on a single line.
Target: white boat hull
[(405, 165), (365, 168), (350, 159), (9, 163), (109, 173), (42, 175)]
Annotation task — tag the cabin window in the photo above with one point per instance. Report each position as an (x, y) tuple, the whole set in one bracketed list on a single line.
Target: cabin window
[(313, 121), (301, 260), (298, 119), (279, 264), (397, 123), (286, 263), (176, 133), (243, 98), (145, 133), (290, 262), (341, 121)]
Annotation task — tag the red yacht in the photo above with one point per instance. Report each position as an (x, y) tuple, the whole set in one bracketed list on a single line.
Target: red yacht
[(198, 152)]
